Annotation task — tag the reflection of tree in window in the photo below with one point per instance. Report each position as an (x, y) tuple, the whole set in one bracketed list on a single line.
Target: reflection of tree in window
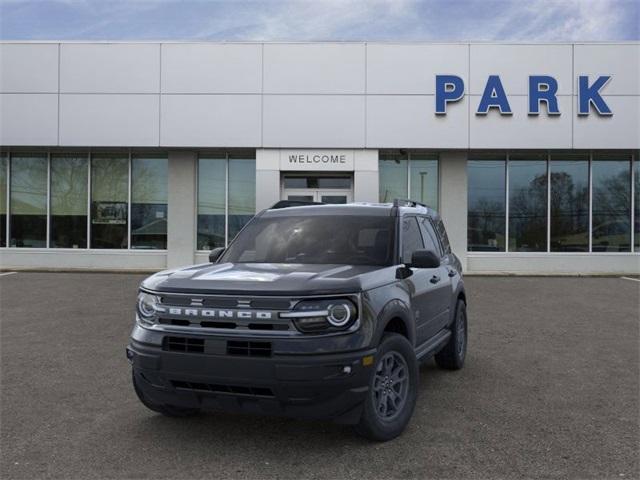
[(611, 206), (109, 193), (486, 205), (569, 206), (149, 194), (528, 206), (68, 201), (28, 222)]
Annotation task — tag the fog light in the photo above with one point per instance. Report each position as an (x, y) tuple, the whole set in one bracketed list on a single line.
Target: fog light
[(130, 355), (368, 360)]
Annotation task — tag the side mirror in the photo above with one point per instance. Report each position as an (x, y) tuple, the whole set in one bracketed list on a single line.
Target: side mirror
[(424, 259), (215, 254)]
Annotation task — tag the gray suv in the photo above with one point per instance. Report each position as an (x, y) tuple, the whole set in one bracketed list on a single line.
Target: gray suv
[(313, 311)]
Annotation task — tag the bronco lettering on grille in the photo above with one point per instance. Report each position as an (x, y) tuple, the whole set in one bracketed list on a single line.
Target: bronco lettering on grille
[(213, 313)]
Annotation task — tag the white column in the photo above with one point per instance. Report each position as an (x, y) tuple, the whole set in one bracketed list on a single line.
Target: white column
[(365, 176), (267, 178), (453, 200), (181, 218)]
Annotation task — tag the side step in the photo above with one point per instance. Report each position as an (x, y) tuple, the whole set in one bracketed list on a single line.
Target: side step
[(430, 348)]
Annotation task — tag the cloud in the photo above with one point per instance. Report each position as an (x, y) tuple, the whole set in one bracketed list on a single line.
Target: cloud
[(331, 20)]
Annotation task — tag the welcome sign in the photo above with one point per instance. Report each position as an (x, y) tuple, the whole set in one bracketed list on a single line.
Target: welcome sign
[(317, 160)]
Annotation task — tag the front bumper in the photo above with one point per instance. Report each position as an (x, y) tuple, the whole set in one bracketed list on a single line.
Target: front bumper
[(318, 386)]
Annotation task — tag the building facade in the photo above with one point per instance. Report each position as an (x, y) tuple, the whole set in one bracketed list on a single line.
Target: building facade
[(143, 156)]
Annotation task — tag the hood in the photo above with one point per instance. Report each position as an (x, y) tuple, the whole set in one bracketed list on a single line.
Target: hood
[(270, 279)]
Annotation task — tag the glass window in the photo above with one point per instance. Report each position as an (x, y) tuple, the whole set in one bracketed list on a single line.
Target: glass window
[(69, 178), (429, 236), (487, 205), (528, 203), (444, 238), (149, 194), (109, 197), (569, 203), (212, 173), (636, 188), (393, 176), (411, 238), (317, 182), (28, 201), (611, 230), (3, 199), (363, 240), (242, 193), (424, 179)]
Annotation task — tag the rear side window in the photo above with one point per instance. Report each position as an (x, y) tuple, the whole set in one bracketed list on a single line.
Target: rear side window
[(444, 239), (429, 235), (411, 238)]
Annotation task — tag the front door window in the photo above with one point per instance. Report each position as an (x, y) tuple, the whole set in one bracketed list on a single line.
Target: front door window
[(324, 189)]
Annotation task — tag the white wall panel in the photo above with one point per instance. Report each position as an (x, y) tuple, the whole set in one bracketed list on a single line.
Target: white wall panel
[(411, 69), (620, 61), (109, 120), (28, 119), (28, 68), (211, 120), (313, 121), (211, 68), (514, 64), (621, 130), (110, 68), (521, 130), (314, 68), (409, 121)]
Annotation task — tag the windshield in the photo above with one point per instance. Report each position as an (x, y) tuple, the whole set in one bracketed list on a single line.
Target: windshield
[(332, 239)]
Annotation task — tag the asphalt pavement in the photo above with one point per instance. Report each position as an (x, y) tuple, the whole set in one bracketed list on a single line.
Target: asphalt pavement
[(550, 390)]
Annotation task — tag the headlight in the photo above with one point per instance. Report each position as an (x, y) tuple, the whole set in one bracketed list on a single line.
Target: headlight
[(311, 316), (147, 307)]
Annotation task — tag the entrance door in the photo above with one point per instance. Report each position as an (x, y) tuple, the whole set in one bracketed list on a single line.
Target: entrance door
[(313, 188)]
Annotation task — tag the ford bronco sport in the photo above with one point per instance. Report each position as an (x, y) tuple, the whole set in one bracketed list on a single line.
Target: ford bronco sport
[(316, 311)]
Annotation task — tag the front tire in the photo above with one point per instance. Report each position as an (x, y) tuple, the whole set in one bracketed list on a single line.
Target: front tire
[(452, 356), (167, 410), (393, 390)]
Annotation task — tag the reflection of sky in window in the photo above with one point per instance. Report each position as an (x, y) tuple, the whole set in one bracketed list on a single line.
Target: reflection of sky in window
[(486, 181)]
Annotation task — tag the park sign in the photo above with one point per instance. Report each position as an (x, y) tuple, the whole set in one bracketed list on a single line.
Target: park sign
[(542, 89)]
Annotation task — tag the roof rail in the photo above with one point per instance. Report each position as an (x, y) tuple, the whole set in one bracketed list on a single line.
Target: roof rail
[(293, 203), (401, 202)]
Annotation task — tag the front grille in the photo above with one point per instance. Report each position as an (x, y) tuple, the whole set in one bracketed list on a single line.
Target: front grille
[(249, 349), (215, 388), (282, 326), (183, 344)]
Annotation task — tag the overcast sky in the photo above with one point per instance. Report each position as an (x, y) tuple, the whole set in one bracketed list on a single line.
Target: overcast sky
[(427, 20)]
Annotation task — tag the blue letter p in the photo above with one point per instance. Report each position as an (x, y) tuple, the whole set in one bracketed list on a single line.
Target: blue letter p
[(449, 88)]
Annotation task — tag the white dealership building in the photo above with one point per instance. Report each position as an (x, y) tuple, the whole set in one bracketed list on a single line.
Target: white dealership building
[(143, 156)]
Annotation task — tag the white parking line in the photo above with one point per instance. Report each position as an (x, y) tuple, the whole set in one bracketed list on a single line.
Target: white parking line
[(7, 273), (632, 279)]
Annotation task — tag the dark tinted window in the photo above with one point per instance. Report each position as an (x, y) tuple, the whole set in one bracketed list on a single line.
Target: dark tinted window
[(344, 239), (429, 236), (444, 238), (411, 238), (569, 203), (487, 205), (611, 230), (528, 203)]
